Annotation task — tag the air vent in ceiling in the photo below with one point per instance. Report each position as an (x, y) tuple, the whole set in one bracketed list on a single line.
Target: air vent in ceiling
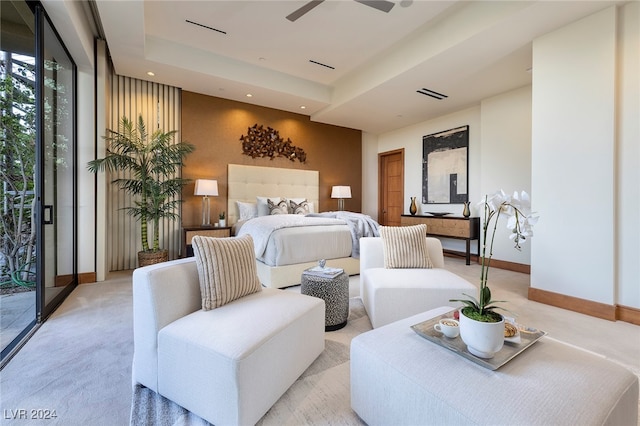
[(321, 64), (205, 26), (433, 94)]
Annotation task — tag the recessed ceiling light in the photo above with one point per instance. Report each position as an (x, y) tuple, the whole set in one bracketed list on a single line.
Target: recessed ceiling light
[(151, 73), (303, 107), (249, 95)]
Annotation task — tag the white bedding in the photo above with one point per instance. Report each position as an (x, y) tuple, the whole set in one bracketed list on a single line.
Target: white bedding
[(289, 239)]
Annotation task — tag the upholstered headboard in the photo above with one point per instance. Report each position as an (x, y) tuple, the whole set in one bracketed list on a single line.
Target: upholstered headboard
[(245, 183)]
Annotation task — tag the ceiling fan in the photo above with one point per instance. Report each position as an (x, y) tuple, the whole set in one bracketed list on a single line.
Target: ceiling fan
[(381, 5)]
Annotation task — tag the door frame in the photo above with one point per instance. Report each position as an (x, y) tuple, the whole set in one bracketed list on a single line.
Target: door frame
[(382, 178)]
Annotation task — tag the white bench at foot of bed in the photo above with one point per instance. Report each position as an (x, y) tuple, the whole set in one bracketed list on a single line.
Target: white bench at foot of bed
[(290, 275)]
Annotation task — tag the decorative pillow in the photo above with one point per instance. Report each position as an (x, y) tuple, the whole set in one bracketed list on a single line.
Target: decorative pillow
[(263, 204), (302, 207), (226, 268), (278, 206), (405, 246), (247, 211)]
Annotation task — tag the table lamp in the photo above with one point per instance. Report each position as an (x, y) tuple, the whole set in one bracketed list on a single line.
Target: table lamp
[(341, 192), (206, 188)]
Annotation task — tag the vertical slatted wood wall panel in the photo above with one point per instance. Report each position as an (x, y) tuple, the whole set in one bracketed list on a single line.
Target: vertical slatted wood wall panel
[(159, 106)]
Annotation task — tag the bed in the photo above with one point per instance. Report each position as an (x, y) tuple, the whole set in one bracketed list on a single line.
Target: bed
[(293, 242)]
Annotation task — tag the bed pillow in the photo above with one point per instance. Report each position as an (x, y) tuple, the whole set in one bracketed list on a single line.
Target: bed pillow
[(263, 204), (299, 206), (405, 246), (247, 211), (278, 206), (226, 268)]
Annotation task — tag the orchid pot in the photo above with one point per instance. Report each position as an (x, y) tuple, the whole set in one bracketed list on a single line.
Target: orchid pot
[(483, 339), (481, 328)]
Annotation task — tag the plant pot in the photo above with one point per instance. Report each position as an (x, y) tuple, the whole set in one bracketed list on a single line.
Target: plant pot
[(483, 339), (152, 257), (222, 223)]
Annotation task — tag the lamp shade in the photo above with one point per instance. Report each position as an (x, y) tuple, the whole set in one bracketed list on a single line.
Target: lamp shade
[(341, 192), (206, 187)]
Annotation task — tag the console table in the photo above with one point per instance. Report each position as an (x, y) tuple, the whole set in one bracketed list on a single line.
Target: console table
[(456, 227), (205, 231)]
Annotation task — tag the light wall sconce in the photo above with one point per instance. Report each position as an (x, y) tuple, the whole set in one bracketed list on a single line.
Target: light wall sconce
[(206, 188), (341, 192)]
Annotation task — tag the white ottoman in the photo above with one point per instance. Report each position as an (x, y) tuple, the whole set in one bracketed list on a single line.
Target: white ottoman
[(389, 295), (400, 378)]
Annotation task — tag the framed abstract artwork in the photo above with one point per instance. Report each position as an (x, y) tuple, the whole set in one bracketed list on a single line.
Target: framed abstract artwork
[(445, 167)]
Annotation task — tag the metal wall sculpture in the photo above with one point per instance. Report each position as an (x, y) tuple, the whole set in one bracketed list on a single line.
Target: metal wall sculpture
[(260, 142)]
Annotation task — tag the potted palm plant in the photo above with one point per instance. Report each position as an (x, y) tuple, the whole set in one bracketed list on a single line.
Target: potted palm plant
[(153, 162), (481, 328)]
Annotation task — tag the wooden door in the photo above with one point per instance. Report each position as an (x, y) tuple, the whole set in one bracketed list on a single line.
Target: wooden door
[(390, 187)]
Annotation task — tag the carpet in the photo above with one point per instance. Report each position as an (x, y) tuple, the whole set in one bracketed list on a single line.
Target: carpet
[(324, 384)]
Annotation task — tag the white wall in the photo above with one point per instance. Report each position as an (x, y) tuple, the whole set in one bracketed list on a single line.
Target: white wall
[(86, 180), (499, 158), (505, 160), (410, 138), (573, 143), (370, 175), (628, 157)]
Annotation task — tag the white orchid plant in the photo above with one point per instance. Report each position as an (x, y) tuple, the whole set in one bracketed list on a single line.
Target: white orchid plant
[(517, 208)]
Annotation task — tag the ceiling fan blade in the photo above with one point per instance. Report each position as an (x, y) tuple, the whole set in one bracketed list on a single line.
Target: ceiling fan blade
[(381, 5), (304, 9)]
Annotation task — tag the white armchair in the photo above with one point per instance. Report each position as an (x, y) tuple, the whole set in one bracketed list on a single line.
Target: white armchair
[(389, 295), (228, 365)]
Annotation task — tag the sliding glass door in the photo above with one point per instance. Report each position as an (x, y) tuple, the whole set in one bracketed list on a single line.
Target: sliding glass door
[(37, 170), (18, 310), (56, 169)]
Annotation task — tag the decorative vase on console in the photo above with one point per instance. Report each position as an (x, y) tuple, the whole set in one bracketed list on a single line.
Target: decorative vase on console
[(481, 328), (466, 212), (413, 208)]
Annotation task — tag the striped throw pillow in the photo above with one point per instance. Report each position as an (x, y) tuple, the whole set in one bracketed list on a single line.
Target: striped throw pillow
[(405, 247), (226, 268)]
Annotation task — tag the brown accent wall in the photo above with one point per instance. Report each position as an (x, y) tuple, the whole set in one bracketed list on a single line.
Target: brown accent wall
[(215, 125)]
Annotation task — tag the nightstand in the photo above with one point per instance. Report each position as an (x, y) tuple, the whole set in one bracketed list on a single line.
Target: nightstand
[(204, 231)]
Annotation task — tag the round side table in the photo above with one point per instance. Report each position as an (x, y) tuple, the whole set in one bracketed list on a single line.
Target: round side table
[(335, 293)]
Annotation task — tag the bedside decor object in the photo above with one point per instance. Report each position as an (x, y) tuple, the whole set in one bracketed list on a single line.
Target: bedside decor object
[(222, 222), (206, 188), (481, 328), (152, 164), (413, 209), (341, 192), (260, 142)]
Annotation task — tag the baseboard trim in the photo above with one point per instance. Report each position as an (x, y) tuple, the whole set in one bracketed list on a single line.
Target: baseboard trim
[(83, 278), (86, 277), (627, 314), (511, 266), (501, 264), (583, 306)]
